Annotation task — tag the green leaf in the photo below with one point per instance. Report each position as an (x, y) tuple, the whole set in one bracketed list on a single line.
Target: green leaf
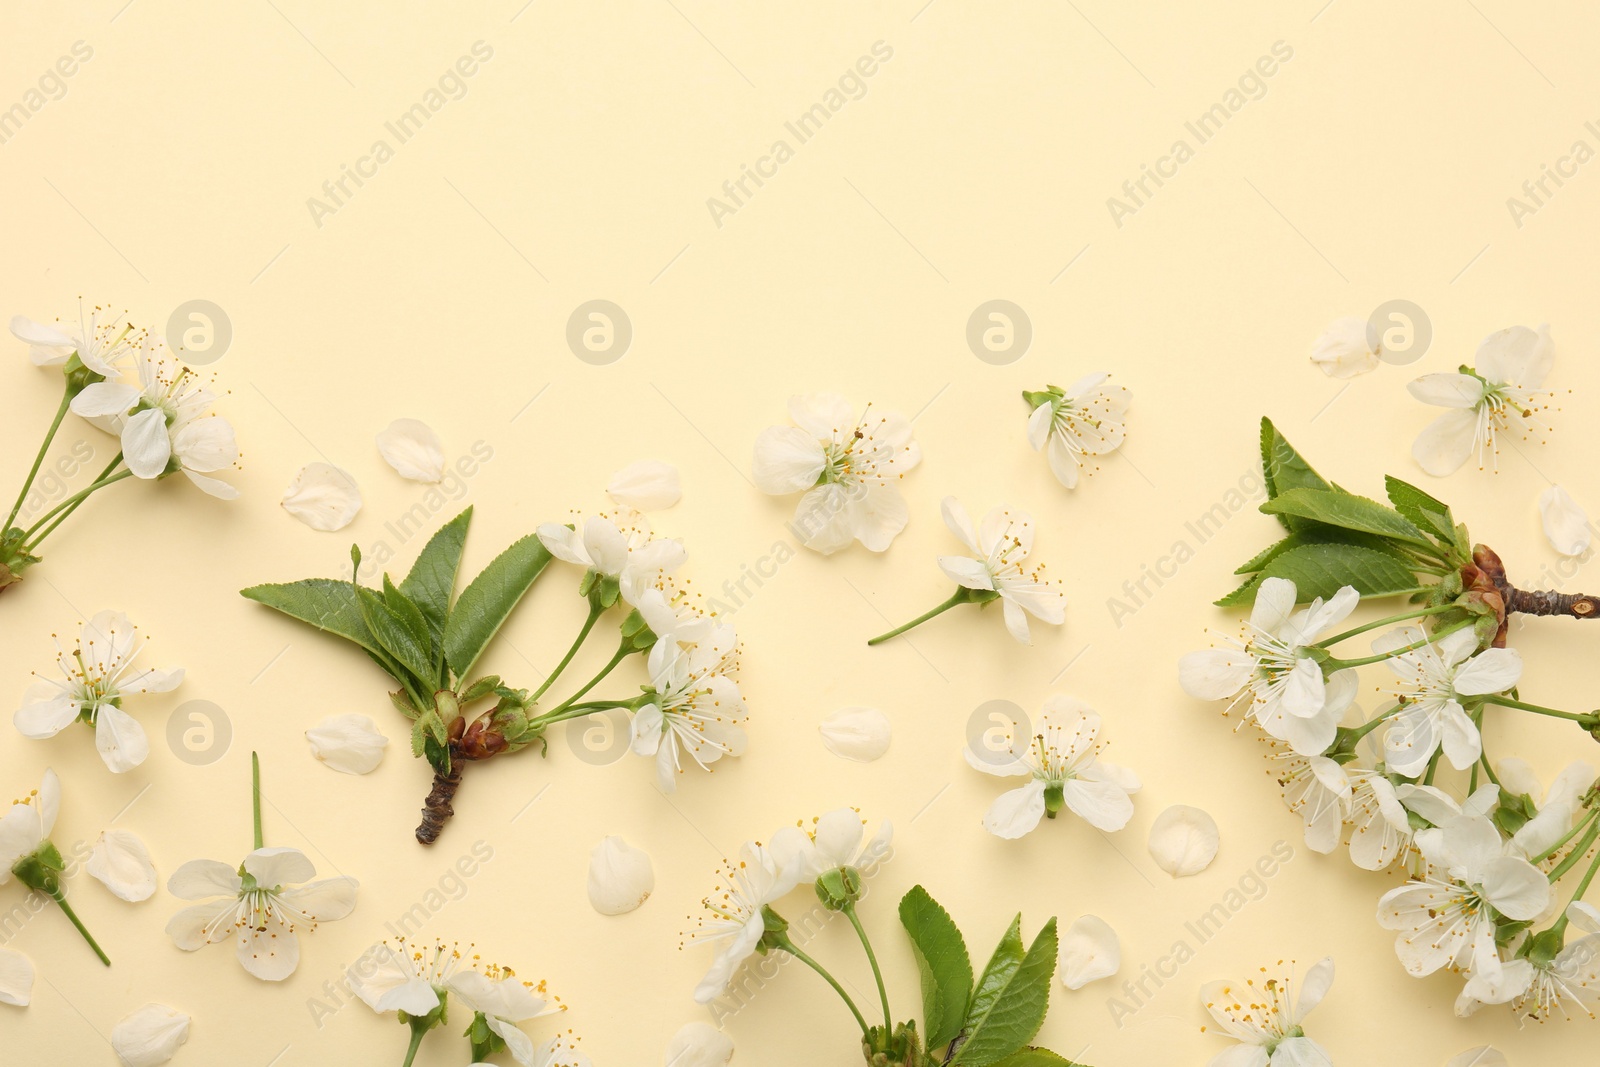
[(1283, 469), (942, 961), (1335, 507), (409, 615), (394, 637), (1034, 1057), (1422, 508), (432, 580), (1318, 534), (1012, 996), (1321, 569), (326, 603), (484, 605)]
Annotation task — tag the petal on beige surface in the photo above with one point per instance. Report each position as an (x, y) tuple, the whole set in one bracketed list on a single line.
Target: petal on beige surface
[(412, 448), (323, 497), (699, 1045), (1183, 840), (348, 743), (16, 978), (1565, 523), (649, 485), (150, 1036), (122, 864), (621, 877), (1090, 951), (859, 734)]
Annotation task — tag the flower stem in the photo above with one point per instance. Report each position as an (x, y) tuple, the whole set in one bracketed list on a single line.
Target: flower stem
[(38, 461), (578, 711), (255, 795), (883, 993), (595, 611), (71, 504), (1576, 854), (1582, 825), (1583, 887), (792, 949), (1340, 664), (960, 596), (1402, 617), (1537, 709), (62, 517), (623, 652), (61, 899), (418, 1032)]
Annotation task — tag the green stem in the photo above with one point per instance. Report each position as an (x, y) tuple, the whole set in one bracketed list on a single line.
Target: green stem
[(1583, 887), (255, 795), (1357, 733), (48, 530), (72, 502), (883, 993), (794, 950), (1576, 854), (417, 1034), (595, 611), (1488, 770), (61, 899), (38, 461), (961, 596), (1506, 702), (623, 652), (1340, 664), (578, 711), (1336, 638), (1433, 768), (1577, 829)]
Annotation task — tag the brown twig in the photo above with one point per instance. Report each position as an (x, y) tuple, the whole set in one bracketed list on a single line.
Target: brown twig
[(436, 810)]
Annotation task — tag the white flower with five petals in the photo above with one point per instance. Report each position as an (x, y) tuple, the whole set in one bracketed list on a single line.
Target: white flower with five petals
[(734, 920), (1499, 394), (505, 1000), (1084, 419), (1273, 669), (97, 675), (102, 340), (261, 907), (695, 712), (1267, 1020), (1064, 768), (1438, 673), (625, 553), (847, 467), (1001, 545), (838, 840)]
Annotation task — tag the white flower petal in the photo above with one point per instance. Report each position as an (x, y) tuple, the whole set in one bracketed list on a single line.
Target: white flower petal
[(787, 460), (349, 743), (323, 497), (621, 877), (859, 734), (122, 863), (120, 739), (649, 485), (413, 450), (1448, 390), (16, 978), (1341, 351), (279, 866), (1089, 951), (149, 1036), (699, 1045), (1183, 840), (1446, 442), (146, 443), (104, 398), (1517, 355), (1565, 523), (1016, 811), (202, 879)]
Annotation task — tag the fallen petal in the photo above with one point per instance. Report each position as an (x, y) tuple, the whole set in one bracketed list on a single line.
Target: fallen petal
[(649, 485), (859, 734), (122, 864), (620, 877), (413, 450), (699, 1045), (1089, 951), (323, 497), (150, 1035), (348, 743), (1183, 840), (16, 978), (1565, 523), (1342, 351)]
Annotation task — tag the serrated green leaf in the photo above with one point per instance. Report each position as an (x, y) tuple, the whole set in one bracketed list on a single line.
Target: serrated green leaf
[(409, 615), (943, 963), (1009, 1003), (1283, 468), (1319, 534), (1034, 1057), (394, 637), (1335, 507), (1321, 569), (485, 604), (402, 702), (1427, 511), (432, 580), (418, 733), (326, 603)]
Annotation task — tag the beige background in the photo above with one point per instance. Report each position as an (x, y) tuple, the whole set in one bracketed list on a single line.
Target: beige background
[(977, 165)]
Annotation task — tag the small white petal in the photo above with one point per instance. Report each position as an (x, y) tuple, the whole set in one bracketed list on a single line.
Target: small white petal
[(150, 1035), (348, 743), (649, 485), (323, 497), (859, 734), (1342, 352), (620, 877), (122, 863), (1482, 1056), (413, 450), (1565, 523), (1183, 840), (699, 1045), (16, 978), (1089, 951)]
